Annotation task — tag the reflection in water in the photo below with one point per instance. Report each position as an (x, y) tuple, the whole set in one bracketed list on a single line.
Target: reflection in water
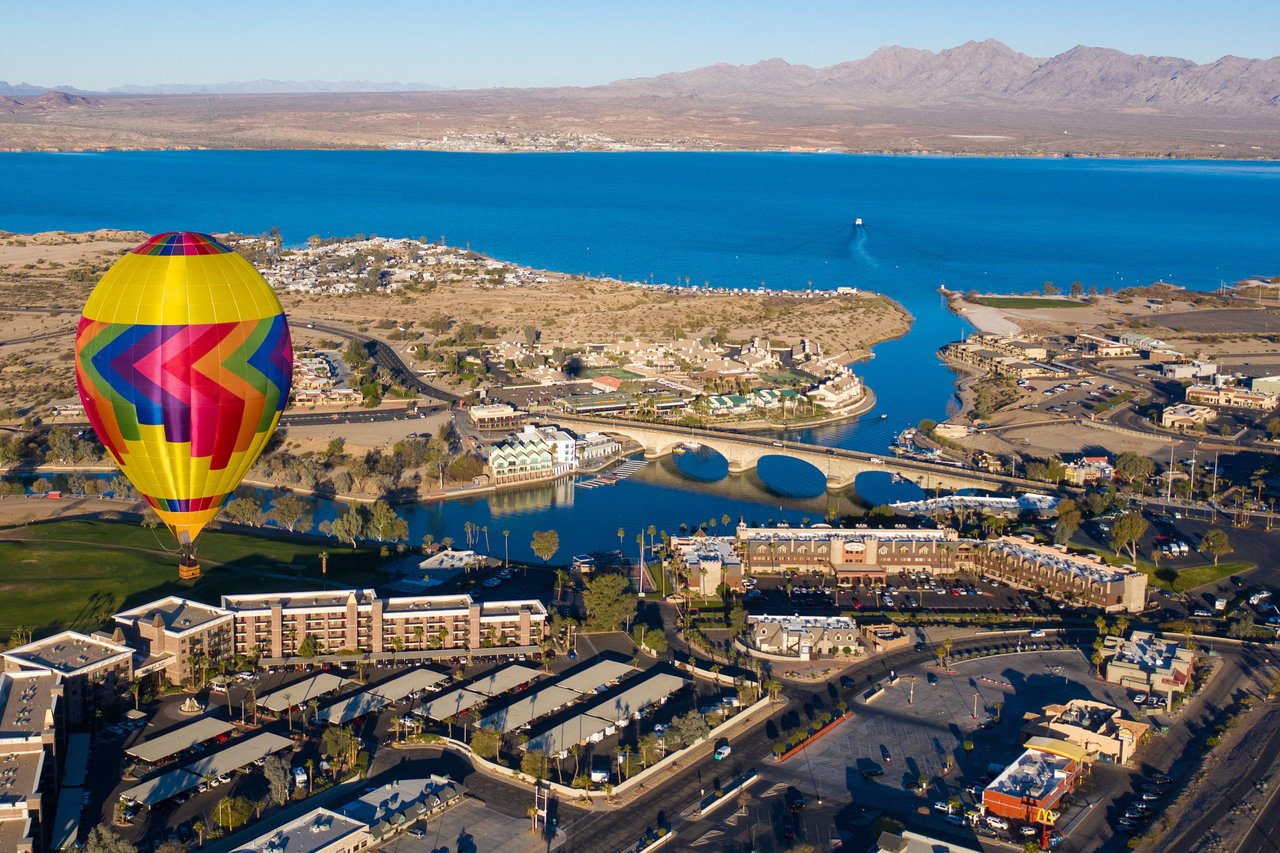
[(702, 465), (790, 478)]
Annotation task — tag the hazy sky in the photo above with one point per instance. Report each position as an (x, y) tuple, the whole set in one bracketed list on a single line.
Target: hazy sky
[(96, 45)]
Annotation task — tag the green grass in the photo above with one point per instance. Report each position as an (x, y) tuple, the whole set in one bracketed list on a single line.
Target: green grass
[(74, 574), (1027, 302), (1179, 580), (615, 372)]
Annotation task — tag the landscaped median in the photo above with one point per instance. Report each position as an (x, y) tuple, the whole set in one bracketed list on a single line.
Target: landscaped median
[(652, 840), (800, 739), (720, 796)]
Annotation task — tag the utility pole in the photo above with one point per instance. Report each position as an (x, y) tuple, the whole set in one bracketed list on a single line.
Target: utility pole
[(975, 706)]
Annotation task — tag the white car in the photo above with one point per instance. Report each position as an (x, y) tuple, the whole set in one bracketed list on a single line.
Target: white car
[(1139, 698), (996, 822), (1036, 634), (722, 752)]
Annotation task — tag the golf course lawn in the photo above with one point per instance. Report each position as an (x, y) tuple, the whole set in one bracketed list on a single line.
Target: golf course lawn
[(63, 575)]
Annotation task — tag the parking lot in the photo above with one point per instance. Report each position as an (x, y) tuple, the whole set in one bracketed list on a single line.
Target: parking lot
[(918, 591), (1067, 397), (877, 757), (471, 827)]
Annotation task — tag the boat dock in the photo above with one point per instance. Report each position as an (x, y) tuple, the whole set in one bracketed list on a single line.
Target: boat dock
[(622, 472)]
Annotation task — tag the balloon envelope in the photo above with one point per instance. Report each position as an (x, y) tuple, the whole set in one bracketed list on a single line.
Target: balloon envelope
[(183, 362)]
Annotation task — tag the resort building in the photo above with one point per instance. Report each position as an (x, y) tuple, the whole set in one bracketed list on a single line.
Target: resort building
[(1052, 571), (1148, 663), (803, 636), (95, 672), (534, 453), (275, 626), (853, 556), (172, 633), (1232, 397), (29, 742), (1032, 787), (497, 418), (1096, 726), (1186, 416)]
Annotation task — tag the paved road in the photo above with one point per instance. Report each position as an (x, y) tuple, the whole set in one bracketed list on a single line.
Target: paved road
[(385, 357)]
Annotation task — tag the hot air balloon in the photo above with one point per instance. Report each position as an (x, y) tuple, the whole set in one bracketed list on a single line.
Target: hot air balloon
[(183, 362)]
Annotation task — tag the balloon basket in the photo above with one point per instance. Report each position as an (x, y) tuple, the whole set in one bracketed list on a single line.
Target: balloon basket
[(188, 571)]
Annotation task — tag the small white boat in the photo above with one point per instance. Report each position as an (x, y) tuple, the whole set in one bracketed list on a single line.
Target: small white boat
[(857, 221), (882, 417)]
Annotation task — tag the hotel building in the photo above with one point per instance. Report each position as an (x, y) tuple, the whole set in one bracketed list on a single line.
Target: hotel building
[(854, 556), (29, 741)]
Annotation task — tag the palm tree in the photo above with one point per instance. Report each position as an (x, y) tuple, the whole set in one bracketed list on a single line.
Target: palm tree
[(506, 552), (397, 646), (135, 687), (199, 829), (621, 533), (288, 708), (947, 643), (311, 766)]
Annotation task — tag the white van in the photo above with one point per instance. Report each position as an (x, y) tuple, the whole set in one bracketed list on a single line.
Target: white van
[(300, 777)]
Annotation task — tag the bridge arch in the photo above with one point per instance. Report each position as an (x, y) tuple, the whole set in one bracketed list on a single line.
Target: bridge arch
[(790, 476)]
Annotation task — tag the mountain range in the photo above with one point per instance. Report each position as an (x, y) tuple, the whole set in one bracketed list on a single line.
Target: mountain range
[(987, 73)]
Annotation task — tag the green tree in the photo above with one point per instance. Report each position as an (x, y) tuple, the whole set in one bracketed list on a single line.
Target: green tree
[(289, 511), (244, 511), (534, 763), (104, 839), (1215, 543), (486, 741), (545, 544), (737, 620), (309, 647), (607, 602), (1133, 468), (1128, 531), (350, 526), (656, 640), (233, 812), (1068, 521), (384, 525)]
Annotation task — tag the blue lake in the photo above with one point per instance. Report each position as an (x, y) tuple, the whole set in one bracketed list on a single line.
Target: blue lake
[(724, 219)]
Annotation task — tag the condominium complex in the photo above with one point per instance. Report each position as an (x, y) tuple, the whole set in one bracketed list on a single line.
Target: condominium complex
[(1050, 569), (176, 633), (534, 453)]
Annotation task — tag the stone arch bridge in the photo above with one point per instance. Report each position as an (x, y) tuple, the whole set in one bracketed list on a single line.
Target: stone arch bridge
[(840, 467)]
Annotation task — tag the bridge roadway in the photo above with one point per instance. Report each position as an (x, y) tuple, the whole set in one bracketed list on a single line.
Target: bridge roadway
[(841, 467)]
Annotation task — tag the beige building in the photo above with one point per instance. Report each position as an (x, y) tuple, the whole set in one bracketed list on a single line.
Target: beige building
[(1148, 663), (276, 625), (1096, 726), (1186, 416), (172, 634), (94, 672), (318, 831), (1052, 570), (1232, 397), (803, 636)]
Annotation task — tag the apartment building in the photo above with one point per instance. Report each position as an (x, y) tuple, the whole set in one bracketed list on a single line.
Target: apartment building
[(173, 634), (534, 453), (1098, 727), (854, 556), (838, 394), (1148, 663), (275, 626), (29, 740), (94, 672), (1052, 571)]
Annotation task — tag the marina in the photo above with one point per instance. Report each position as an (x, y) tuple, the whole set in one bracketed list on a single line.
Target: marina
[(622, 472)]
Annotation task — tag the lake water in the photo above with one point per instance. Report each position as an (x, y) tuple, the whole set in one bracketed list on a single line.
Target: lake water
[(732, 220)]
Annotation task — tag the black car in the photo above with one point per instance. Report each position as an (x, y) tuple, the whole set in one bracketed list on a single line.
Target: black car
[(846, 682), (872, 772)]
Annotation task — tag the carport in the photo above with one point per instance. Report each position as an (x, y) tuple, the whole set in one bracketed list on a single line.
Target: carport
[(178, 740)]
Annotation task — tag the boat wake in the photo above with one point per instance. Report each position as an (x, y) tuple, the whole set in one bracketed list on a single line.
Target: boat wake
[(858, 247)]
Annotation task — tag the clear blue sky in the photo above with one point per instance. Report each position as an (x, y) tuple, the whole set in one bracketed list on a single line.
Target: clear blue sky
[(96, 45)]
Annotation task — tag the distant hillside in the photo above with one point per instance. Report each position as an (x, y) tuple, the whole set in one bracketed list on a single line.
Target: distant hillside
[(272, 87), (45, 102), (987, 73)]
